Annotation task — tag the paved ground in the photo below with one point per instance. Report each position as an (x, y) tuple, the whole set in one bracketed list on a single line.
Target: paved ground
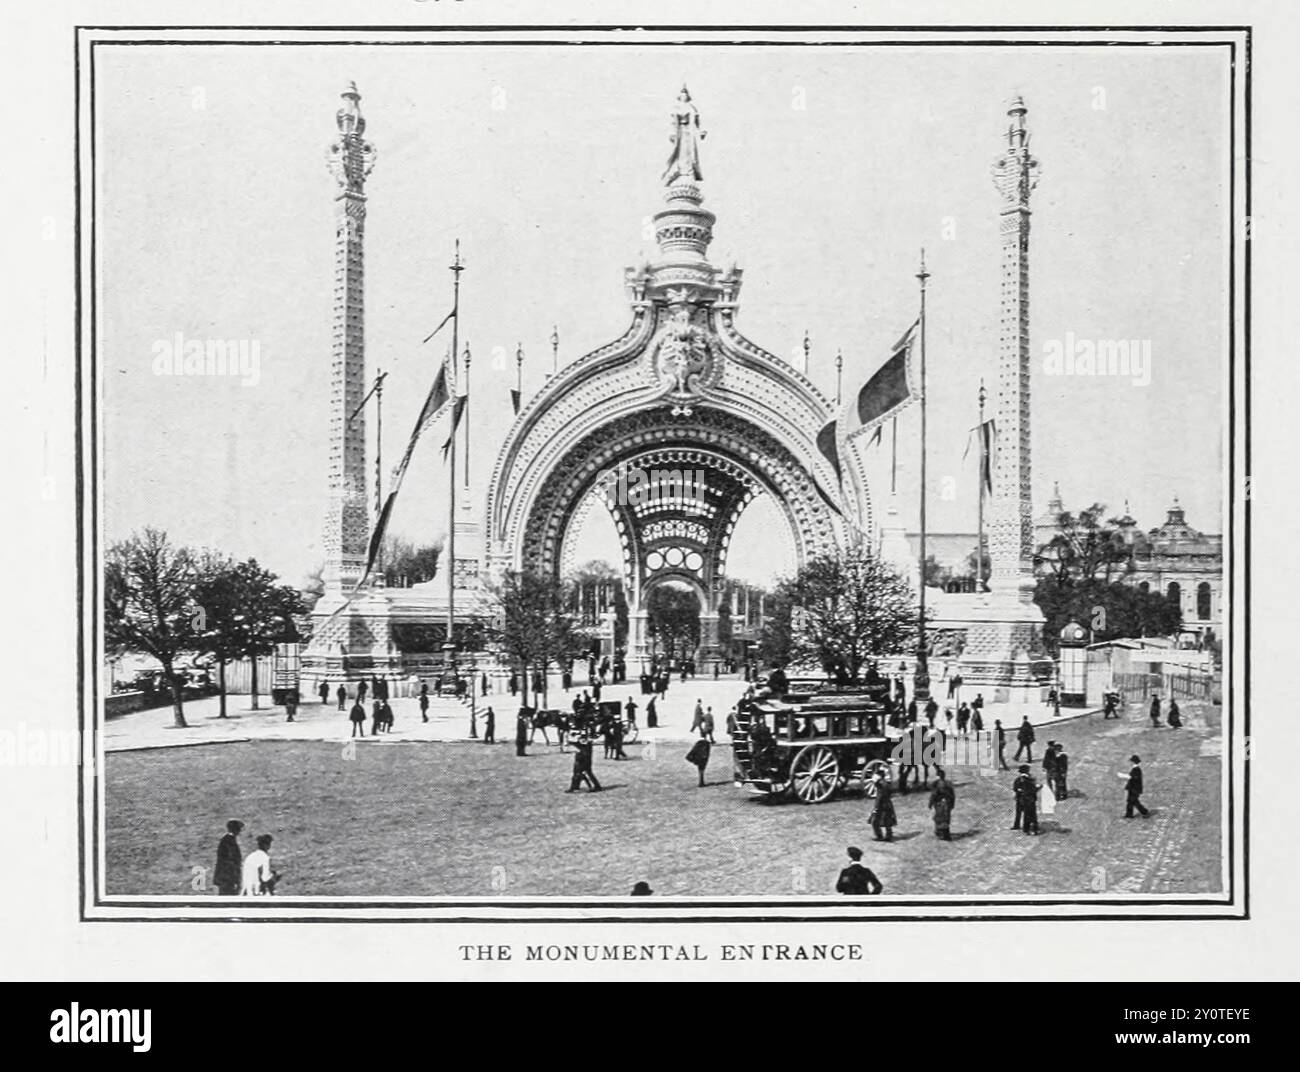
[(393, 817), (449, 720)]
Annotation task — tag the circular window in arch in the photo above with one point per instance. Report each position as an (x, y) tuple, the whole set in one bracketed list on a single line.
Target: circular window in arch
[(673, 556), (694, 561), (654, 561)]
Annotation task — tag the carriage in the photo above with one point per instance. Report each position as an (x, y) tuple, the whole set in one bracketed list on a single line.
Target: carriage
[(814, 742), (566, 723)]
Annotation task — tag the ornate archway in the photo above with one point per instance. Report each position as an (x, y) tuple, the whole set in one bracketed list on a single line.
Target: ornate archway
[(674, 428)]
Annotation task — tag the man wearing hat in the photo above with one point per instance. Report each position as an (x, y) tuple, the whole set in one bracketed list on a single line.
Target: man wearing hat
[(642, 889), (582, 771), (229, 870), (1026, 791), (1133, 788), (856, 879)]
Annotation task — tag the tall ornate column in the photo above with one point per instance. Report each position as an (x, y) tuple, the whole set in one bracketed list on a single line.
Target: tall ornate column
[(350, 158), (1004, 646)]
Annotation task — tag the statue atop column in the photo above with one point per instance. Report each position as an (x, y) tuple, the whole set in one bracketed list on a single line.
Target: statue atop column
[(684, 163)]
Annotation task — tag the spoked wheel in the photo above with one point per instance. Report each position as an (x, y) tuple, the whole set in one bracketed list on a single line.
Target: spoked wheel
[(868, 775), (815, 774), (630, 732)]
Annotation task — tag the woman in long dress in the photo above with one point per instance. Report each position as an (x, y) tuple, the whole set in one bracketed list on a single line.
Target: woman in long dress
[(942, 799)]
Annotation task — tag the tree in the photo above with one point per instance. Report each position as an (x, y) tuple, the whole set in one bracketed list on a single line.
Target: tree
[(936, 575), (534, 626), (1108, 609), (312, 587), (776, 637), (1085, 548), (848, 607), (149, 603), (405, 564), (265, 614), (674, 619), (217, 595)]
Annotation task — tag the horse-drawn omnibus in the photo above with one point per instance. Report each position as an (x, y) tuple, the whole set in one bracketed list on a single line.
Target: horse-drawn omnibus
[(814, 741)]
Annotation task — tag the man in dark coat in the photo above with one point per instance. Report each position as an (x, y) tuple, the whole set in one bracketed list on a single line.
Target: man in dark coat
[(357, 716), (1175, 715), (521, 732), (361, 691), (630, 709), (1025, 738), (1000, 738), (1133, 788), (229, 873), (882, 814), (489, 726), (857, 880), (582, 770), (343, 697), (651, 715), (1049, 767), (385, 716), (324, 691), (1155, 710), (1062, 773), (424, 700), (942, 800), (1026, 791)]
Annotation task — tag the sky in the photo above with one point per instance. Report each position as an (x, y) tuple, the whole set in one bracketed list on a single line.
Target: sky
[(828, 170)]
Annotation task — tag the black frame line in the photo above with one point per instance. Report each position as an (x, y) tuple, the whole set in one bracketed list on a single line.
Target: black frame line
[(493, 910)]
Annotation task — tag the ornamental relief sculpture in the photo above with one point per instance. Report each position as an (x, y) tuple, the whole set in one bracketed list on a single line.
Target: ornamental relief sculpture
[(685, 361)]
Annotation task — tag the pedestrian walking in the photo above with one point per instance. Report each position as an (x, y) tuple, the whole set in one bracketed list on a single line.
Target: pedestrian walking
[(1062, 773), (489, 726), (1133, 788), (857, 879), (943, 798), (699, 756), (1025, 738), (358, 719), (483, 687), (629, 709), (931, 711), (582, 767), (706, 725), (361, 691), (732, 724), (291, 701), (1175, 718), (324, 691), (1000, 736), (424, 700), (1155, 710), (976, 719), (698, 717), (343, 697), (259, 879), (1026, 791), (883, 819), (651, 715), (514, 683), (1049, 767), (229, 871), (376, 716), (386, 716)]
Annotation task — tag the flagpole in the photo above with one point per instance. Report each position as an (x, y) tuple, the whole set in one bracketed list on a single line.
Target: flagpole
[(979, 538), (450, 646), (379, 463), (519, 375), (466, 415), (839, 375), (921, 688)]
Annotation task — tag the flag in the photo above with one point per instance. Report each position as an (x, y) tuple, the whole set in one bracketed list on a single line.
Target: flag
[(434, 404), (827, 445), (438, 328), (988, 434), (457, 410), (514, 400), (892, 387)]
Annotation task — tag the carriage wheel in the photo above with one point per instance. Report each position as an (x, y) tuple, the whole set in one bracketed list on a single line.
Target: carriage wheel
[(815, 774), (868, 773), (630, 733)]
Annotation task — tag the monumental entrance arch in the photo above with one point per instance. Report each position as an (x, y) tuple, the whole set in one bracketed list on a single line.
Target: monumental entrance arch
[(673, 428)]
